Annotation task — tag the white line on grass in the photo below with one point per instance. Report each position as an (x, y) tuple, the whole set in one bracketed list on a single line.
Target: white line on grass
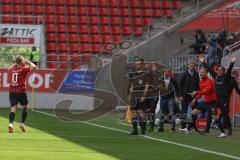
[(151, 138)]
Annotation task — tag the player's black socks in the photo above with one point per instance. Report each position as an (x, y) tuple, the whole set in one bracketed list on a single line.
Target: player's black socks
[(134, 123), (24, 115), (193, 123), (11, 117)]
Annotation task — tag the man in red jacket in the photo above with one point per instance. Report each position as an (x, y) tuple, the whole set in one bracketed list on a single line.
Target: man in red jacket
[(207, 95)]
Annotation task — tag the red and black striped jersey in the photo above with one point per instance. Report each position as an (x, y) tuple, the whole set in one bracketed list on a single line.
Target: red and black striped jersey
[(17, 77)]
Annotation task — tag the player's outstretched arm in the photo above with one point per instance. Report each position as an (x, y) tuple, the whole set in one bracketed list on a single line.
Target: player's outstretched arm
[(31, 65)]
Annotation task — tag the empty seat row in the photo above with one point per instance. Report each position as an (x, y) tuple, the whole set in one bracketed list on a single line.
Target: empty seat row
[(100, 3)]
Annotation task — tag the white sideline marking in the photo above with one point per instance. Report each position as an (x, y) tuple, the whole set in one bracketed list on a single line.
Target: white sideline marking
[(152, 138)]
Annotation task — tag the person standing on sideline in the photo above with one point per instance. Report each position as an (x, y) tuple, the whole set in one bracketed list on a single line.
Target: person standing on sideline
[(189, 82), (222, 81)]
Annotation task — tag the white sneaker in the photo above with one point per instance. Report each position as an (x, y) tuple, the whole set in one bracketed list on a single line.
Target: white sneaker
[(222, 135), (185, 130), (10, 128), (22, 126)]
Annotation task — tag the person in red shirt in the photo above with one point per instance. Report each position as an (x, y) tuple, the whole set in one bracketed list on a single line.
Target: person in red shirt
[(205, 100), (17, 74)]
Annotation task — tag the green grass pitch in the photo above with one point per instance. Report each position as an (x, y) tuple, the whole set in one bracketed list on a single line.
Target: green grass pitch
[(51, 139)]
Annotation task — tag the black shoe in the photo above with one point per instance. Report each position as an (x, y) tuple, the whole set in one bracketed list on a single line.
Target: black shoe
[(229, 132), (205, 132), (134, 133), (160, 130), (142, 132), (173, 130)]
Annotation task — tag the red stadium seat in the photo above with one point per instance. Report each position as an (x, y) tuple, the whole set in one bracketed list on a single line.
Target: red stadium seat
[(113, 3), (82, 11), (176, 4), (126, 21), (29, 19), (134, 4), (117, 38), (95, 38), (116, 30), (92, 3), (144, 4), (63, 46), (17, 9), (103, 11), (59, 2), (137, 22), (74, 47), (85, 48), (84, 38), (123, 3), (6, 1), (28, 9), (50, 19), (105, 30), (39, 2), (126, 30), (146, 13), (156, 4), (52, 57), (136, 12), (50, 28), (106, 38), (52, 65), (82, 2), (104, 20), (7, 19), (86, 58), (72, 29), (115, 21), (73, 37), (147, 21), (96, 48), (72, 10), (166, 4), (83, 20), (76, 66), (124, 12), (17, 2), (51, 47), (39, 9), (93, 20), (62, 28), (137, 31), (6, 9), (83, 29), (61, 19), (63, 56), (114, 12), (71, 2), (92, 11), (75, 57), (49, 10), (62, 37), (72, 19), (28, 2), (50, 2), (157, 13), (94, 29), (102, 3), (167, 13), (60, 10)]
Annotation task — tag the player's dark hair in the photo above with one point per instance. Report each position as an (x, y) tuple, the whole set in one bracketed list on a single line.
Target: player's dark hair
[(19, 59), (139, 60), (221, 67)]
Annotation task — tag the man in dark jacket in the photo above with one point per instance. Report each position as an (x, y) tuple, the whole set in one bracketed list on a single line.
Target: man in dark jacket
[(167, 100), (189, 82), (222, 81)]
